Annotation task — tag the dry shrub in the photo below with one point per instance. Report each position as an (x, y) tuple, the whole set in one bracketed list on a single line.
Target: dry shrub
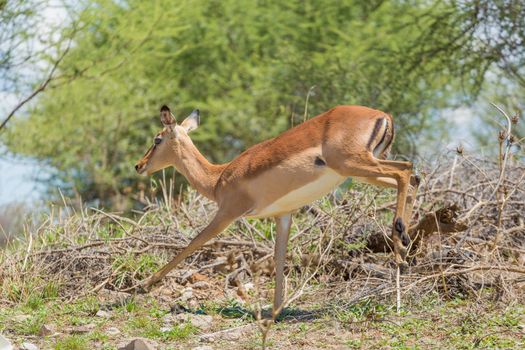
[(79, 253), (11, 220)]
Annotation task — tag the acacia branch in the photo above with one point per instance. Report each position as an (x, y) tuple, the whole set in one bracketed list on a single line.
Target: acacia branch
[(40, 88)]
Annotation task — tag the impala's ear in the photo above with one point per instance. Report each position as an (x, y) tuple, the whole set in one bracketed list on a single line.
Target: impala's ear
[(166, 117), (192, 121)]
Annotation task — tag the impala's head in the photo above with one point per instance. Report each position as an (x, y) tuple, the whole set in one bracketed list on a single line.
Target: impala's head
[(167, 143)]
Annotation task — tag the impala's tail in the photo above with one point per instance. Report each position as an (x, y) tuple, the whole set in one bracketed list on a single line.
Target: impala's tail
[(382, 137)]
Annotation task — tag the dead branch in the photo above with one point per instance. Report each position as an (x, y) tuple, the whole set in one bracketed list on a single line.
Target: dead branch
[(443, 220)]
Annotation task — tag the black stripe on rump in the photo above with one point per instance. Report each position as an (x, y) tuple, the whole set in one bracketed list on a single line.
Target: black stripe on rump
[(392, 133), (377, 127)]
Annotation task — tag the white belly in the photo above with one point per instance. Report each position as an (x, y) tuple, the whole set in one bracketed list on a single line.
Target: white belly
[(301, 196)]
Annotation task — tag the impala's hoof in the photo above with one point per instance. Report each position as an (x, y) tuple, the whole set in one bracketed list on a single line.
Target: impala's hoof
[(405, 239), (401, 245), (417, 180), (400, 229), (141, 290), (399, 226), (403, 266)]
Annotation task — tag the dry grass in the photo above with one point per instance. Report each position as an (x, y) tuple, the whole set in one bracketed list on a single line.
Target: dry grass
[(89, 250), (79, 254), (11, 220)]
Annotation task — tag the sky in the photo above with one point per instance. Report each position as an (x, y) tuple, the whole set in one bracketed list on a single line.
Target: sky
[(18, 181), (18, 176)]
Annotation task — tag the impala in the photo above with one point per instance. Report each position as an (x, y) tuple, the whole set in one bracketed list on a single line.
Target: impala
[(280, 175)]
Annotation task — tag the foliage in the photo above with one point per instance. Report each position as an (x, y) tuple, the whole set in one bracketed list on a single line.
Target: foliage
[(17, 21), (33, 43), (508, 95), (249, 66)]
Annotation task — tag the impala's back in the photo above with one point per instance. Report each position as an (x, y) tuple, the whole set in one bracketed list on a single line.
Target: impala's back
[(301, 165)]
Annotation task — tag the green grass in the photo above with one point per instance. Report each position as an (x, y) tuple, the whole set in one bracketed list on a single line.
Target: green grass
[(461, 327), (426, 323), (141, 266), (31, 290), (151, 328), (73, 342), (429, 322), (365, 310), (128, 305), (32, 325)]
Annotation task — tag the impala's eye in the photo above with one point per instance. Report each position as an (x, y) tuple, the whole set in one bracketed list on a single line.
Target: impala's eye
[(158, 140)]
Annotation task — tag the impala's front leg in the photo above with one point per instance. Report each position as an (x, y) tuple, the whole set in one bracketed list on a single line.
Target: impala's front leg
[(281, 244), (401, 172), (415, 180), (400, 237), (376, 170), (223, 218)]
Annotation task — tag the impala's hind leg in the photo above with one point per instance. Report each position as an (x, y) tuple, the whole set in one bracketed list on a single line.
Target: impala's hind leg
[(401, 172), (391, 183), (415, 180), (409, 205), (281, 244)]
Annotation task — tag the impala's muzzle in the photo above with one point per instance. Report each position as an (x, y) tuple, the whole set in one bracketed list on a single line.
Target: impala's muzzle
[(142, 164), (140, 167)]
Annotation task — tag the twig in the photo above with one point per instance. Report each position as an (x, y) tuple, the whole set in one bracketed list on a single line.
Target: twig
[(40, 88), (398, 291), (219, 334), (467, 270)]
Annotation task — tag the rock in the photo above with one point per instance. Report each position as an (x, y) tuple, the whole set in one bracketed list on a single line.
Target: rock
[(249, 286), (21, 318), (5, 344), (82, 329), (138, 344), (112, 331), (46, 330), (231, 334), (241, 292), (198, 277), (168, 319), (28, 346), (186, 294), (102, 313), (186, 275), (193, 304), (232, 293), (203, 322), (111, 298), (165, 329), (166, 291), (178, 309), (201, 285)]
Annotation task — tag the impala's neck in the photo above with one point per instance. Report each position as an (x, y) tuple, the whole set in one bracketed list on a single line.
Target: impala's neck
[(201, 174)]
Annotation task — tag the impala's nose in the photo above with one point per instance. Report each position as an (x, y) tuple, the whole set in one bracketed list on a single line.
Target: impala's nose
[(140, 167)]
